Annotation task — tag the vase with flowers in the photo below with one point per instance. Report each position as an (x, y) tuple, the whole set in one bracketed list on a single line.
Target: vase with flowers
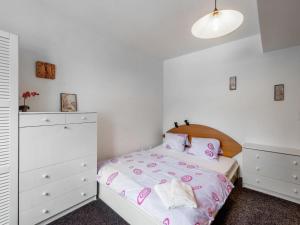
[(26, 95)]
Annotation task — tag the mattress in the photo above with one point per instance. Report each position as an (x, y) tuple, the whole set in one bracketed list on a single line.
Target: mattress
[(133, 176)]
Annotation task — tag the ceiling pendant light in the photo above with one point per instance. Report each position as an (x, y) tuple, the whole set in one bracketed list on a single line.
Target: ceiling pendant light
[(217, 23)]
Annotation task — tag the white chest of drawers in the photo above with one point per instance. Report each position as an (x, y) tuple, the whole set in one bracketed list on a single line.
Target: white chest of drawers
[(272, 170), (58, 164)]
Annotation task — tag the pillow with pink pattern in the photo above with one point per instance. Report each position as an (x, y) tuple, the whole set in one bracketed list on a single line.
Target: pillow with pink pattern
[(175, 141), (207, 148)]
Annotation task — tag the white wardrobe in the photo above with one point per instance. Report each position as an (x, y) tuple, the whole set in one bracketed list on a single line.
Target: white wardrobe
[(8, 128)]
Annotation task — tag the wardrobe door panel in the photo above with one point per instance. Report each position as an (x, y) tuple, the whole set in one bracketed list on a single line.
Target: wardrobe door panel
[(8, 128)]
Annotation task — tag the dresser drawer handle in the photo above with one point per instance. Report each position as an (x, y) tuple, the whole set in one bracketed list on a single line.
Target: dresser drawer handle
[(257, 156), (84, 118), (295, 163), (84, 179), (83, 164), (45, 211), (295, 191), (295, 177), (83, 194), (257, 168), (46, 120), (45, 193), (46, 176), (257, 181)]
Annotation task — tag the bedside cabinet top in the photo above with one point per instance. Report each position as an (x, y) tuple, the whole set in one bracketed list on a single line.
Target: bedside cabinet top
[(268, 148)]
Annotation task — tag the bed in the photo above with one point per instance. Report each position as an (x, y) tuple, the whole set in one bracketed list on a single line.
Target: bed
[(133, 175)]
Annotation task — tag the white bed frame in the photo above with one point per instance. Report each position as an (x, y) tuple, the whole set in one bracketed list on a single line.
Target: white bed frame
[(130, 212)]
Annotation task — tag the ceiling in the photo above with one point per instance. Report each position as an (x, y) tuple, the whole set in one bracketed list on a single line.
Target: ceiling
[(157, 27), (279, 23)]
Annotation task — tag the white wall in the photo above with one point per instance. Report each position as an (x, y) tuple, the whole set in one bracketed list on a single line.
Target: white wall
[(123, 85), (196, 88)]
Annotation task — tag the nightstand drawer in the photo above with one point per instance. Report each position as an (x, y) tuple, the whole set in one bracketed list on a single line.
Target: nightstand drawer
[(31, 120), (269, 184), (252, 156), (269, 170)]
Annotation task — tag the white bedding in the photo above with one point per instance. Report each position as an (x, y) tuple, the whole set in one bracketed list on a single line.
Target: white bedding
[(222, 165), (134, 176)]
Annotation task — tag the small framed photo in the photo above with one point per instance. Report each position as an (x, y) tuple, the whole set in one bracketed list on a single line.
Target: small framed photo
[(279, 92), (68, 102), (232, 83)]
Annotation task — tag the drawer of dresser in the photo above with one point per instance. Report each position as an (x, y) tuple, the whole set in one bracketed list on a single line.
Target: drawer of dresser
[(273, 171), (81, 118), (48, 192), (31, 120), (35, 178), (276, 159), (285, 188), (51, 208)]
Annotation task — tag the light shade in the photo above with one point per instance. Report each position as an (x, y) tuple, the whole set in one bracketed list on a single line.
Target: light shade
[(217, 24)]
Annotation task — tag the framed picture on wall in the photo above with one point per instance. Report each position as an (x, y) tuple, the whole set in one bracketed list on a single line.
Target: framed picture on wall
[(68, 102), (279, 92), (232, 83)]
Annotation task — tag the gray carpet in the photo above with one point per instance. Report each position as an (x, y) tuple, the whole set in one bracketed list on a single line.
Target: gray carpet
[(243, 207)]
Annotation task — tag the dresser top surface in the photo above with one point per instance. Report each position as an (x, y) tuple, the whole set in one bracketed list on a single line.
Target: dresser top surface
[(277, 149), (32, 113)]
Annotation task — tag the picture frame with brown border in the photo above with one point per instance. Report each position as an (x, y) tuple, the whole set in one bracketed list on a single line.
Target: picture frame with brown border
[(279, 92), (68, 102), (232, 83)]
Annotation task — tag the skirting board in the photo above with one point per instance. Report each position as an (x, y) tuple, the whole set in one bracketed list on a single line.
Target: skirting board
[(57, 216), (268, 192)]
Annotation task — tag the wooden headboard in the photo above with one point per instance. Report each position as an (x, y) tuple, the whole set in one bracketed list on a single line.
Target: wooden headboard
[(229, 146)]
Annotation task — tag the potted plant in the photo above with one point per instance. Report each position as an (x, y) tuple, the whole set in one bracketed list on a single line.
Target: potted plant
[(26, 95)]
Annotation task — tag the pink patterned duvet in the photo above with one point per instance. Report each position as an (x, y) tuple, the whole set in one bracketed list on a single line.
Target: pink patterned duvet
[(134, 176)]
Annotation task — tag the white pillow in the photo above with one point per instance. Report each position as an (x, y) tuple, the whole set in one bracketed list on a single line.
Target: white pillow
[(175, 141), (207, 148)]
